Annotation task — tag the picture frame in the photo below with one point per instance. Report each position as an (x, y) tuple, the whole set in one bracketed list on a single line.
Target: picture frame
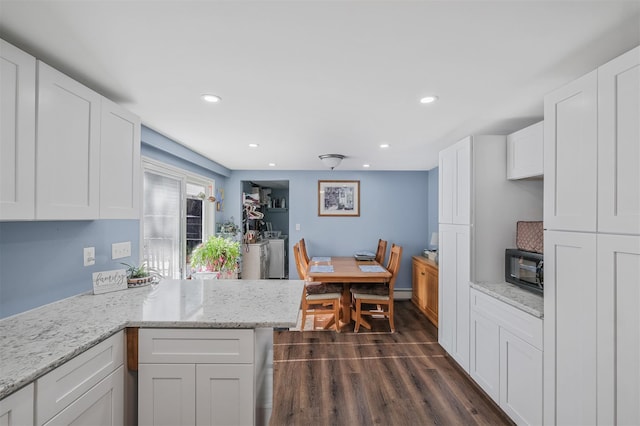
[(339, 198)]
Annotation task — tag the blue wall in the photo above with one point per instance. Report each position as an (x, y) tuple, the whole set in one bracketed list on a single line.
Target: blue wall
[(393, 206), (41, 262)]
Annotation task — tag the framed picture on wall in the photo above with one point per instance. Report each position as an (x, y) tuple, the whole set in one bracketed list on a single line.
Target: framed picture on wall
[(338, 198)]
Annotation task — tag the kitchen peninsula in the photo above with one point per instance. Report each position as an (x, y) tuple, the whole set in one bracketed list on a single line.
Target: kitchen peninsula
[(37, 343)]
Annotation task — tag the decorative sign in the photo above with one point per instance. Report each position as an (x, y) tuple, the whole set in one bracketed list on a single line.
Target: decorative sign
[(107, 281)]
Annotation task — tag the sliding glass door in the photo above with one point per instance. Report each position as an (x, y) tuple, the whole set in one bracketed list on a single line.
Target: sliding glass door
[(177, 216)]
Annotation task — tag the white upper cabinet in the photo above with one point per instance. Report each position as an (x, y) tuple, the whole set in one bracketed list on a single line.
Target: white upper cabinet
[(619, 145), (66, 152), (68, 148), (524, 152), (570, 156), (17, 133), (119, 163), (455, 183)]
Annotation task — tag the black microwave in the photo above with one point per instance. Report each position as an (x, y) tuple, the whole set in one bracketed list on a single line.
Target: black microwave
[(524, 269)]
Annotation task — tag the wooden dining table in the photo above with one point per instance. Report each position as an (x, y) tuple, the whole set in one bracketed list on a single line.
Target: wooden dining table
[(345, 270)]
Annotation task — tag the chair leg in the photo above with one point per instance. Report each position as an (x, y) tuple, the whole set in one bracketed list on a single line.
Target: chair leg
[(391, 325), (304, 312), (358, 313), (336, 314)]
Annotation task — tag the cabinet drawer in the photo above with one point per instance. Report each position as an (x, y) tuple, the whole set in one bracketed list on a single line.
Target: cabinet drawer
[(525, 326), (59, 388), (195, 346)]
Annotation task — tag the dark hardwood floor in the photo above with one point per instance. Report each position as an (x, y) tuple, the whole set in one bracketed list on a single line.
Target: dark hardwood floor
[(374, 378)]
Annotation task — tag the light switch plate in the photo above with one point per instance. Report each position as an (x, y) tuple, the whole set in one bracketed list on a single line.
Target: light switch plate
[(120, 250), (89, 256)]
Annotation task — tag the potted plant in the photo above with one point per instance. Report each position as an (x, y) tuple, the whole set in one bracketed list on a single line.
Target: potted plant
[(217, 257), (138, 275)]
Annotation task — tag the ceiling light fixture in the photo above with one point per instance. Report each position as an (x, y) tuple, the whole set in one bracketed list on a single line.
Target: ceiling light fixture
[(366, 166), (331, 160), (272, 164), (207, 97), (253, 145), (384, 145), (428, 99)]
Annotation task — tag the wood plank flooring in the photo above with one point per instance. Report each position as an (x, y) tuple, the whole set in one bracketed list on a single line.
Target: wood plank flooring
[(374, 378)]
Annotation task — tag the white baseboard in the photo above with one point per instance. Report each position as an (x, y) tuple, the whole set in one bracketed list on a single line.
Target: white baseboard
[(402, 294)]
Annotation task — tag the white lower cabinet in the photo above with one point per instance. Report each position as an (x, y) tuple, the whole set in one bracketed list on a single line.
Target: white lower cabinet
[(102, 405), (197, 377), (17, 408), (88, 389), (485, 353), (506, 357), (520, 379)]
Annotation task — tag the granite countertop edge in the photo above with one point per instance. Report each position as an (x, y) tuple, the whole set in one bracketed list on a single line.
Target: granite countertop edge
[(513, 295)]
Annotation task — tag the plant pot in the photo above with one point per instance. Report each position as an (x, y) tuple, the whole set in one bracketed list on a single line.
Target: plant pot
[(139, 282)]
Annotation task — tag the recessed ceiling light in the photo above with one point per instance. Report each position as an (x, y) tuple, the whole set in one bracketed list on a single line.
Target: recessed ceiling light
[(272, 164), (366, 166), (253, 145), (428, 99), (207, 97), (384, 145)]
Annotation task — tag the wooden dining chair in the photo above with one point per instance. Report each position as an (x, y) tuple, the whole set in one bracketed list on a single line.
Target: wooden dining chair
[(382, 250), (317, 298), (303, 251), (377, 295)]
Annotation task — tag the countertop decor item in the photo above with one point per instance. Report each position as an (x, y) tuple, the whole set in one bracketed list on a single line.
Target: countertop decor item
[(216, 254), (138, 276)]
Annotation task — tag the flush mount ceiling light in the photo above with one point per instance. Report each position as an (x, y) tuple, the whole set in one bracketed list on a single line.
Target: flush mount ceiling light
[(253, 145), (272, 164), (207, 97), (428, 99), (331, 160), (366, 166), (384, 145)]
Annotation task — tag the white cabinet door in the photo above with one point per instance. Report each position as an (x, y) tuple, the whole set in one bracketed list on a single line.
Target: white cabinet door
[(167, 394), (453, 276), (619, 145), (570, 347), (224, 394), (462, 182), (520, 379), (618, 332), (525, 152), (484, 365), (455, 183), (17, 133), (68, 148), (570, 156), (119, 163), (102, 405), (17, 408), (446, 168)]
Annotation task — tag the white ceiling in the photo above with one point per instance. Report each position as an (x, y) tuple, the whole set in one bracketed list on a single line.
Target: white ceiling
[(304, 78)]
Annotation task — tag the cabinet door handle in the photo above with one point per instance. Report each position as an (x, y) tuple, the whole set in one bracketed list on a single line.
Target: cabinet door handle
[(422, 273)]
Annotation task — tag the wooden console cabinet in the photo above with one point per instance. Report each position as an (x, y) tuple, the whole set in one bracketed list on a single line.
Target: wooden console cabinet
[(425, 287)]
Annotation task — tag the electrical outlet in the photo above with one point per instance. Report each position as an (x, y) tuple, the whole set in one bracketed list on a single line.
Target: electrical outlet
[(297, 226), (89, 256), (120, 250)]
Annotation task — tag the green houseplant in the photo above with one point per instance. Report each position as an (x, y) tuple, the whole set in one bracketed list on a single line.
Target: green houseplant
[(138, 275), (217, 254)]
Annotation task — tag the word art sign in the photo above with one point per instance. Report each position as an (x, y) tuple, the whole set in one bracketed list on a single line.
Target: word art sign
[(106, 281)]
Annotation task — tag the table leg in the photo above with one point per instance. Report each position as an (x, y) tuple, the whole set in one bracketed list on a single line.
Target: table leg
[(346, 303)]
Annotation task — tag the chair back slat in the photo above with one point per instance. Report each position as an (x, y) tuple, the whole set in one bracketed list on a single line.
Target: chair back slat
[(382, 249), (304, 256), (394, 265)]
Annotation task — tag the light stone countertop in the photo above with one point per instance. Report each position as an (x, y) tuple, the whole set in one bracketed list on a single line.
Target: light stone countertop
[(37, 341), (520, 298)]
